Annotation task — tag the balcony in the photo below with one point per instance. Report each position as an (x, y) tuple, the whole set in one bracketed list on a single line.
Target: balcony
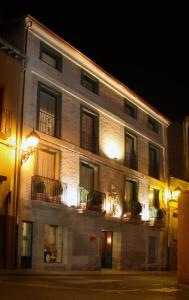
[(5, 123), (48, 190), (91, 201), (131, 160)]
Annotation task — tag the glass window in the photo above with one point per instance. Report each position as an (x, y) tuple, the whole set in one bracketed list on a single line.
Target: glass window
[(89, 82), (130, 109), (153, 124), (50, 56), (130, 151), (89, 130), (130, 195), (49, 111), (154, 162), (53, 244)]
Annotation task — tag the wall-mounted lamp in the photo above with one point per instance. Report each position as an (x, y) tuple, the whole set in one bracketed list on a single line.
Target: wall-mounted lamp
[(32, 140)]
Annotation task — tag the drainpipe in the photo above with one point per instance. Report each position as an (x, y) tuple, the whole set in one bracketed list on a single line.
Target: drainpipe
[(19, 132)]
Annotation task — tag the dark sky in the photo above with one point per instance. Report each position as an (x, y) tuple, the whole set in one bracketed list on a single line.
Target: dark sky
[(144, 47)]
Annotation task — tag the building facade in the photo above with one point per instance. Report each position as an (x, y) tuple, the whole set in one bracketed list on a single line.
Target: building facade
[(11, 66), (102, 151)]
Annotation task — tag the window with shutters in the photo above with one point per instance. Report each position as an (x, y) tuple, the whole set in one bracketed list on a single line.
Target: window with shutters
[(154, 162), (49, 111), (131, 151), (89, 82), (89, 130), (50, 56)]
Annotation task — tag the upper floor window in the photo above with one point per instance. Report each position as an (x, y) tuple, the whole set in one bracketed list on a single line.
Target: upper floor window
[(49, 111), (50, 56), (89, 130), (5, 118), (153, 124), (130, 109), (130, 151), (154, 161), (89, 82), (131, 195)]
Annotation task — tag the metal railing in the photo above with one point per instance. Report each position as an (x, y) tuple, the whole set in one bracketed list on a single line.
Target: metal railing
[(49, 190), (47, 123), (92, 201), (5, 122)]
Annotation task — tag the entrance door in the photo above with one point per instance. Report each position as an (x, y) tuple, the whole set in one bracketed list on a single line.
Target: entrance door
[(27, 231), (107, 238)]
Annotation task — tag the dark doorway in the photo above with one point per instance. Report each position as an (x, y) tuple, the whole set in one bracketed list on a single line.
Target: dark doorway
[(27, 232), (107, 239)]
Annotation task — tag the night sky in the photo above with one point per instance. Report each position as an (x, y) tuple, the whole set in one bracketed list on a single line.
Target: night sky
[(145, 49)]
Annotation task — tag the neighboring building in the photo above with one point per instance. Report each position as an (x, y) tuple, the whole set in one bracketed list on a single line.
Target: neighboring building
[(178, 138), (102, 150), (10, 83), (178, 160)]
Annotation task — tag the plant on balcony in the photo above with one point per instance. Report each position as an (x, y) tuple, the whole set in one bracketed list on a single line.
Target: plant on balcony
[(39, 188), (95, 200), (136, 208), (56, 192), (160, 214)]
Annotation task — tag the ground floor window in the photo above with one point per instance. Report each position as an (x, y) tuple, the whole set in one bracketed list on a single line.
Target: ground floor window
[(153, 250), (53, 244)]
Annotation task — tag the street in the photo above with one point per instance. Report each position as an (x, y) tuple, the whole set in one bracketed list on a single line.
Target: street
[(132, 286)]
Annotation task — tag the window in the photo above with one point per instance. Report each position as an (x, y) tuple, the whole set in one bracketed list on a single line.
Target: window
[(153, 124), (130, 151), (89, 130), (50, 56), (130, 109), (88, 179), (153, 249), (5, 118), (154, 154), (131, 189), (53, 244), (154, 204), (89, 82), (49, 111)]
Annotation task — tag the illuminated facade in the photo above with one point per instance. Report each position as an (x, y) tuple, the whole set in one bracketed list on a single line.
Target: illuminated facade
[(102, 151), (11, 64)]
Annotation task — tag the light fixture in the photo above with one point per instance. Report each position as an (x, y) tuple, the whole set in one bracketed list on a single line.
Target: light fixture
[(32, 140)]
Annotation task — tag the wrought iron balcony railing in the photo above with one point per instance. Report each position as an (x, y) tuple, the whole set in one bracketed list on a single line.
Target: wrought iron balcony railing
[(47, 123), (5, 123), (49, 190), (92, 201)]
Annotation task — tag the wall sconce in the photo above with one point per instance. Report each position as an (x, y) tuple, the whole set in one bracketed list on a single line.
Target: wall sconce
[(32, 140)]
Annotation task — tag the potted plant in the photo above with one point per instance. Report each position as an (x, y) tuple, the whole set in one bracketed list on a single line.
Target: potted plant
[(136, 209), (39, 189), (56, 192), (94, 201)]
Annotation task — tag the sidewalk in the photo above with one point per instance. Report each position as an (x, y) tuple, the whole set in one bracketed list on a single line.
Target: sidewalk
[(103, 272)]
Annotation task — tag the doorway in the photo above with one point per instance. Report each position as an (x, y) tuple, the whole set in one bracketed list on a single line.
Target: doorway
[(27, 232), (107, 239)]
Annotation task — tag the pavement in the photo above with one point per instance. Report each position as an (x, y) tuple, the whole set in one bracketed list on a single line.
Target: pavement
[(84, 273)]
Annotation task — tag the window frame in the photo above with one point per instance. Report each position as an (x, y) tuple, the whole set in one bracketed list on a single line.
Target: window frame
[(153, 124), (95, 133), (132, 107), (58, 108), (157, 150), (135, 152), (51, 52), (90, 78), (95, 168), (136, 185)]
